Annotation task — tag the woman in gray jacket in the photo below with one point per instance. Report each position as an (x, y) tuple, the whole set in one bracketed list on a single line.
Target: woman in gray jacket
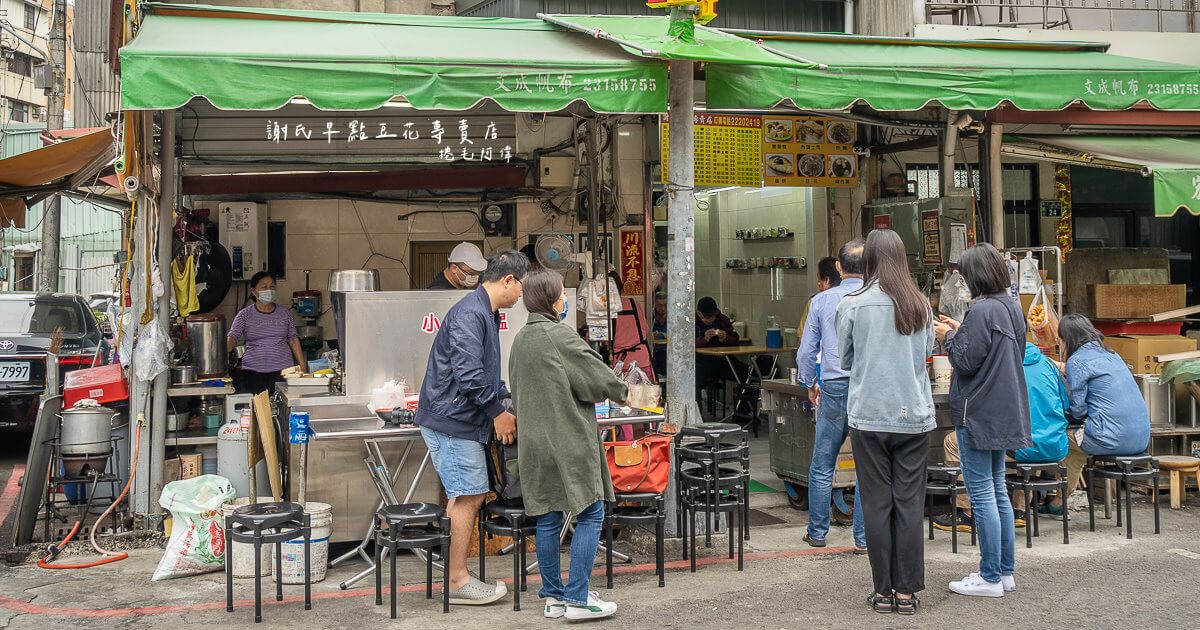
[(885, 334)]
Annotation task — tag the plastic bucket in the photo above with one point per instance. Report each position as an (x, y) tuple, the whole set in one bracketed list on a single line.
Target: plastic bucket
[(243, 553), (942, 373), (321, 521)]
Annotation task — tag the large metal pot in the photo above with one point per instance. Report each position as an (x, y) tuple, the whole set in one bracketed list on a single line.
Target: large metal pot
[(86, 431), (341, 282), (206, 344), (1160, 399), (181, 374)]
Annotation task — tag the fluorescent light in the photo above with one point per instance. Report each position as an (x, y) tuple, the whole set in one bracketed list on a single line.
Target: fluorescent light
[(717, 190)]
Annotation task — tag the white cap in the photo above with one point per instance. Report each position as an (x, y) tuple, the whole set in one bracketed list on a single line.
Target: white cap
[(469, 255)]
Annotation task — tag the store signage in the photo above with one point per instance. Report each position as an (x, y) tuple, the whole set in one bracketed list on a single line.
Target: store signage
[(632, 263), (883, 222), (727, 150), (430, 324), (931, 236), (503, 321), (808, 151), (452, 137), (1051, 208)]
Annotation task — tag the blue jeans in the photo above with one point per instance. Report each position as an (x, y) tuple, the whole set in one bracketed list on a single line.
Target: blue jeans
[(983, 472), (831, 432), (583, 553)]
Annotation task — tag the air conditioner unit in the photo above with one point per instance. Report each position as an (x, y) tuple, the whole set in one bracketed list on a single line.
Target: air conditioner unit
[(43, 78)]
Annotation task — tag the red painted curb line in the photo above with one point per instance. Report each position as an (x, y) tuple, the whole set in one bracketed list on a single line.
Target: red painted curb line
[(11, 490), (35, 609)]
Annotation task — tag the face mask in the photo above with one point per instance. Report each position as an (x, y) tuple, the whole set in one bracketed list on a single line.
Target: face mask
[(267, 296), (562, 315), (468, 280)]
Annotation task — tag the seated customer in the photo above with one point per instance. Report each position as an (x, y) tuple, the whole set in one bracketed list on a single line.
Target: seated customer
[(1104, 396), (1048, 425), (713, 329)]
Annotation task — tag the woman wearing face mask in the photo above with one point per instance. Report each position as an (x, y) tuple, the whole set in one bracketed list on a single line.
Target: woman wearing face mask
[(270, 337), (556, 379)]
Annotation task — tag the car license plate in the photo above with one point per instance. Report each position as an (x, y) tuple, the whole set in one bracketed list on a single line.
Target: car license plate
[(11, 371)]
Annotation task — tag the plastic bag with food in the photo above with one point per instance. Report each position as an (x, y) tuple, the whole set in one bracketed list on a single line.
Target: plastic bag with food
[(1043, 322), (1030, 278)]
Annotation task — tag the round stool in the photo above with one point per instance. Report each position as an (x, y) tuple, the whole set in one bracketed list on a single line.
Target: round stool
[(1179, 467), (266, 523), (1124, 469), (412, 526), (941, 479)]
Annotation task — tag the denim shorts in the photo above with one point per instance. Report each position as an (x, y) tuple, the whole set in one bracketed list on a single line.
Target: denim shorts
[(460, 464)]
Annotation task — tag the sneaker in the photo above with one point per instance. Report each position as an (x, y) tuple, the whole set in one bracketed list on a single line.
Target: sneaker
[(1008, 582), (1018, 518), (974, 584), (555, 608), (966, 523), (596, 608), (813, 542), (1050, 510), (477, 592)]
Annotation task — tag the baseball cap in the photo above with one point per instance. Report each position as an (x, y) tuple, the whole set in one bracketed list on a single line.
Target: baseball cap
[(469, 255)]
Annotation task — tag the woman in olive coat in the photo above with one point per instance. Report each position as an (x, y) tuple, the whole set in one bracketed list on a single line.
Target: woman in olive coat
[(556, 381)]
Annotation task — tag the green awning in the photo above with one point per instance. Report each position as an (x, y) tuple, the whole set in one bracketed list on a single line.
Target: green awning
[(1174, 163), (259, 59), (649, 36), (904, 74)]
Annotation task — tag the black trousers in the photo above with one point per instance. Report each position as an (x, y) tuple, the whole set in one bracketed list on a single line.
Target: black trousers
[(254, 382), (890, 468)]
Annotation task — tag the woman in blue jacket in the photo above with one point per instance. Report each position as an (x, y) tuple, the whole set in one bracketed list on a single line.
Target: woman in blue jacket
[(990, 410), (1104, 395)]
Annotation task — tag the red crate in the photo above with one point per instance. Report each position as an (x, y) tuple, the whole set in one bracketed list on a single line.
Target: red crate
[(1109, 327), (103, 384)]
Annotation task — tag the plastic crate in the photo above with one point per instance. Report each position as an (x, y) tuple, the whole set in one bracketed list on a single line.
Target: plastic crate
[(103, 384)]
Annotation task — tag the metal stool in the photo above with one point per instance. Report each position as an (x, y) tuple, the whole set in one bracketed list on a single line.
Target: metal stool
[(266, 523), (651, 508), (1030, 486), (713, 444), (507, 518), (943, 480), (1123, 469), (745, 406), (412, 526), (713, 491)]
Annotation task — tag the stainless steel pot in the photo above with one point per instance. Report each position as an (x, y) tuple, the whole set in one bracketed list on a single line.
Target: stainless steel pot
[(177, 420), (206, 345), (341, 282), (308, 332), (86, 431), (1160, 399), (181, 374)]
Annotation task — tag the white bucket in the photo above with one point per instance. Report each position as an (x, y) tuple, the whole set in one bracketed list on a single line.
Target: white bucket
[(942, 372), (243, 553), (321, 521)]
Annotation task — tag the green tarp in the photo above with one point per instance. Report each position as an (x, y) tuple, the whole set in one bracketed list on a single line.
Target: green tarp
[(896, 74), (262, 58), (1174, 163)]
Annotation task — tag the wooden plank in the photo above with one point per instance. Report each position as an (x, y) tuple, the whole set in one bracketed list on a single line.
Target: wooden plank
[(1179, 312), (264, 448), (1177, 356)]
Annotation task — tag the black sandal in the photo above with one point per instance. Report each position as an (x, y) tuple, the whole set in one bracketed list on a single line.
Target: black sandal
[(907, 605), (880, 604)]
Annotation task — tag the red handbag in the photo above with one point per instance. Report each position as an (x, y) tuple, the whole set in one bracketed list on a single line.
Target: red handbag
[(642, 465)]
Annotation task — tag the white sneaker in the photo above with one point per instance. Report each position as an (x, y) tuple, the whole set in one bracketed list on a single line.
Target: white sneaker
[(974, 584), (555, 608), (596, 608), (1008, 583)]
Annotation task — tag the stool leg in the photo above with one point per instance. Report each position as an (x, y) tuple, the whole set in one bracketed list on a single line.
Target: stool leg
[(445, 568), (681, 514), (228, 569), (1128, 508), (482, 555), (1062, 475), (744, 499), (307, 563), (1156, 521), (392, 569), (1031, 507), (692, 526), (428, 573), (1091, 495), (729, 522), (378, 570), (709, 498), (659, 544), (524, 563), (953, 520), (929, 509), (519, 539), (608, 550), (1028, 526), (1117, 488), (1176, 489), (278, 571), (257, 578)]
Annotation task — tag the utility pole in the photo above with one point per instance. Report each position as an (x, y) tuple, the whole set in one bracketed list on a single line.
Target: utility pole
[(51, 222)]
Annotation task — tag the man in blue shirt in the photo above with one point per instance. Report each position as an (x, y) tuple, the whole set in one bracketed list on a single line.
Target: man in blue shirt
[(829, 396)]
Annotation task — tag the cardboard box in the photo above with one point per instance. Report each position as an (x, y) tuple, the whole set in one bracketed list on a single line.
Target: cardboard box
[(170, 470), (189, 466), (1139, 351), (1134, 301)]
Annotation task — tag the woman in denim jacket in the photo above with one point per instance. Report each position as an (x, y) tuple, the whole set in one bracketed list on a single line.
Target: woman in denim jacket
[(885, 334), (989, 406), (1104, 395)]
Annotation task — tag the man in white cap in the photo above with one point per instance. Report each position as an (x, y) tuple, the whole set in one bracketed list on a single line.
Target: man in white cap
[(465, 264)]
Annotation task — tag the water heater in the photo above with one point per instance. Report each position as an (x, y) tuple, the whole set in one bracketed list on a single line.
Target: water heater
[(243, 233)]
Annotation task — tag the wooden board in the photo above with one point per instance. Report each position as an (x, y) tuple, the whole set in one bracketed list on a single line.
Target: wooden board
[(1139, 276), (1177, 356), (1133, 301), (262, 442), (1179, 312)]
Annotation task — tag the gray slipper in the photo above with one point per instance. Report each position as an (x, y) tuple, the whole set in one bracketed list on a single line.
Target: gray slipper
[(478, 593)]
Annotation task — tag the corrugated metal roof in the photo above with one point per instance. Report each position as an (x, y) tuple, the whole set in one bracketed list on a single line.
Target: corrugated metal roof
[(17, 138), (89, 29)]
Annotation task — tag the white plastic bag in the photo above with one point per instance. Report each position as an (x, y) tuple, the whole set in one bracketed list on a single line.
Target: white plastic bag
[(151, 354), (594, 303), (1013, 274), (1030, 278), (955, 298), (197, 543), (388, 396)]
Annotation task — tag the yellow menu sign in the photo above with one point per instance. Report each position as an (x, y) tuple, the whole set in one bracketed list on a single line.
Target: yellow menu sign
[(808, 151), (728, 149)]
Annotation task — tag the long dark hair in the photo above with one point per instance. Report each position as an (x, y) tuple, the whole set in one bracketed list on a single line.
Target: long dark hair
[(1076, 332), (540, 290), (885, 261)]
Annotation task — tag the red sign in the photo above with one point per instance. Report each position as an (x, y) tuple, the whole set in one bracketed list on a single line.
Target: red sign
[(503, 321), (632, 263), (430, 324), (883, 222)]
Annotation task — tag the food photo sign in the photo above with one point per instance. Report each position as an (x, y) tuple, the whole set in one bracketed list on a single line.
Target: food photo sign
[(809, 151)]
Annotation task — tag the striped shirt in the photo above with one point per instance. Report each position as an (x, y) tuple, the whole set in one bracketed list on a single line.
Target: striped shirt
[(267, 336)]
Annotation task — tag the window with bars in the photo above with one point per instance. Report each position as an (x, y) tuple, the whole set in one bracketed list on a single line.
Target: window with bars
[(30, 17), (1019, 185), (18, 111), (20, 63), (928, 178)]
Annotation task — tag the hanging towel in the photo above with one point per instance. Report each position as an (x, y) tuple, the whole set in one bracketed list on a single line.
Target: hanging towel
[(183, 278)]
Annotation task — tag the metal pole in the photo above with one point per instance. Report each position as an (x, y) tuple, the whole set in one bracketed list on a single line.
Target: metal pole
[(995, 184), (139, 390), (48, 262), (949, 148), (166, 220), (681, 256)]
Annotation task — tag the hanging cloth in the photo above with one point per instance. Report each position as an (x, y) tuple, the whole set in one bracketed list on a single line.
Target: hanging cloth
[(183, 279)]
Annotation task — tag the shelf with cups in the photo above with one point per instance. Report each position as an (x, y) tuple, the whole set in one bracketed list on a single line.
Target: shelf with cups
[(766, 262), (764, 233)]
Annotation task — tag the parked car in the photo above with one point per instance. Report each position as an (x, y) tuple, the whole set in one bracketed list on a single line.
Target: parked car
[(27, 324)]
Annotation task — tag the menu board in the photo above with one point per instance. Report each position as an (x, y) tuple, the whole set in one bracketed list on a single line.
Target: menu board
[(808, 151), (728, 149)]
